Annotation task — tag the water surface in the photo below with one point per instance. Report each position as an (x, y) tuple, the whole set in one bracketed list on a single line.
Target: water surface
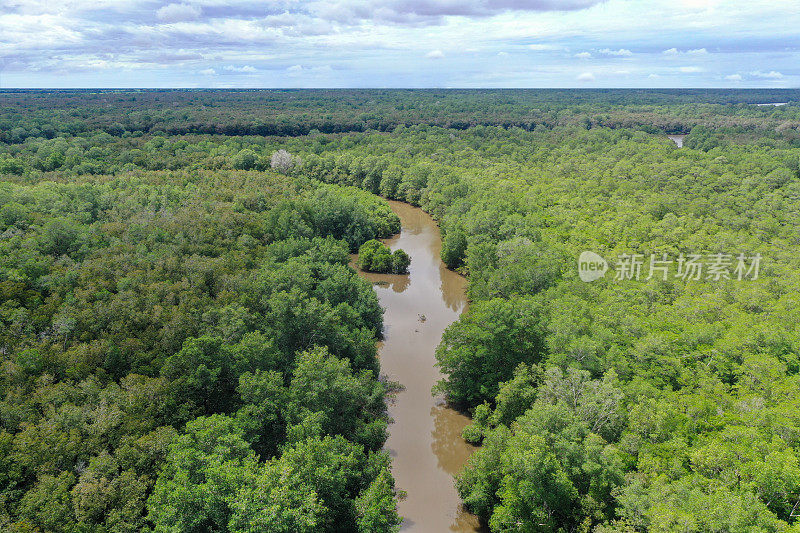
[(677, 139), (425, 438)]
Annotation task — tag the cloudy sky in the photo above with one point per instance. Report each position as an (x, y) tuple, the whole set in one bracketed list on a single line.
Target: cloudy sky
[(400, 43)]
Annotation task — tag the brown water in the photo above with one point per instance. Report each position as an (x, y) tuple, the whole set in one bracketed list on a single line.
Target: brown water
[(425, 438)]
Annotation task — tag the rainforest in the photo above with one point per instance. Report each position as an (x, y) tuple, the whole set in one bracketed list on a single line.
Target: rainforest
[(189, 342)]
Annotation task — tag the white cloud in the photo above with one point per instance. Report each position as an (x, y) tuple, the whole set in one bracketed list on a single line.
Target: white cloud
[(653, 76), (545, 47), (243, 69), (433, 11), (382, 42), (771, 75), (94, 64), (435, 54), (586, 76), (734, 77), (622, 52), (178, 13), (502, 54), (208, 72), (299, 71), (695, 52), (690, 69)]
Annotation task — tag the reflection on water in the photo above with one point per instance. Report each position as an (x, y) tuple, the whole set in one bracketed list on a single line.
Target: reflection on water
[(447, 444), (425, 437), (396, 282), (677, 139)]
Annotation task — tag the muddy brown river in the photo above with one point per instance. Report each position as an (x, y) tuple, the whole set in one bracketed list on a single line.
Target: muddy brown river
[(425, 438)]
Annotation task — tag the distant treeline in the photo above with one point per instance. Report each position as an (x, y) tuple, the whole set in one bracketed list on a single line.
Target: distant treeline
[(53, 113)]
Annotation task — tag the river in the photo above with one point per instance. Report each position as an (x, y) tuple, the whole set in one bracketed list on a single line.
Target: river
[(677, 139), (425, 437)]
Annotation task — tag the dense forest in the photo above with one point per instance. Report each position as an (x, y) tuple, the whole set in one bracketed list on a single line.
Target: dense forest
[(185, 348), (178, 347), (51, 113)]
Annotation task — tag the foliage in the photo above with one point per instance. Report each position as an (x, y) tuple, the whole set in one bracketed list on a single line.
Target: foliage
[(485, 346), (168, 337), (374, 256), (282, 161), (65, 113)]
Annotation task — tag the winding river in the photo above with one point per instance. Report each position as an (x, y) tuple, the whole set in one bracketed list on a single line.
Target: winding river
[(425, 437)]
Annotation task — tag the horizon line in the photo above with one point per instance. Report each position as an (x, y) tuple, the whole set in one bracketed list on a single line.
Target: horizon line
[(575, 88)]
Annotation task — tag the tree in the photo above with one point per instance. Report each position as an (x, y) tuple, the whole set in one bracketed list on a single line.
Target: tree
[(282, 161), (271, 501), (205, 467), (60, 236), (320, 484), (523, 267), (390, 180), (400, 262), (204, 373), (454, 247), (536, 493), (263, 415), (482, 348), (48, 504), (201, 376), (345, 403), (374, 256), (550, 471), (245, 159), (376, 506)]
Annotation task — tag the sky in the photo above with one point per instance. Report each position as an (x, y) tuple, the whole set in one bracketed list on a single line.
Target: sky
[(400, 43)]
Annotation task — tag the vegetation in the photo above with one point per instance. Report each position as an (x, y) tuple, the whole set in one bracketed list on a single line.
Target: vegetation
[(184, 346), (177, 344), (616, 405), (374, 256), (56, 113)]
